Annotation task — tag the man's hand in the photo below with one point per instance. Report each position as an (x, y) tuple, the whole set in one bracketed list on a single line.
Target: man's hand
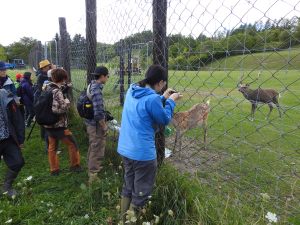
[(168, 93), (21, 146)]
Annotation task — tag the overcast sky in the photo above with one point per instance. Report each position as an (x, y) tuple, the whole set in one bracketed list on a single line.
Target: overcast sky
[(120, 18)]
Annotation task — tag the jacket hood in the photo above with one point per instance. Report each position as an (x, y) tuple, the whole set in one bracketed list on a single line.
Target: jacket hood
[(5, 98), (8, 82), (139, 92)]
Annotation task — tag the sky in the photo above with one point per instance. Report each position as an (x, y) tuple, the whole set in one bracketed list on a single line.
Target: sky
[(120, 18)]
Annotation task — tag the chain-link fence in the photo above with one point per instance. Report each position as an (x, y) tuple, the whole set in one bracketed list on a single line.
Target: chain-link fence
[(214, 49)]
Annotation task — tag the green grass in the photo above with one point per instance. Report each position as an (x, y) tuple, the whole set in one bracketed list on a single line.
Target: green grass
[(257, 159)]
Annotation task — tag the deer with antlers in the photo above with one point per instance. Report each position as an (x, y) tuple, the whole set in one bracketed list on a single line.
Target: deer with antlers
[(196, 116), (260, 95)]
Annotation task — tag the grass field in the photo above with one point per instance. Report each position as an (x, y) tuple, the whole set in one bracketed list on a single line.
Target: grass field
[(261, 157), (257, 171)]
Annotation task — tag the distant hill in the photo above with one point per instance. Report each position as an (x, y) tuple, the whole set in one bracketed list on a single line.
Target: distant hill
[(271, 60)]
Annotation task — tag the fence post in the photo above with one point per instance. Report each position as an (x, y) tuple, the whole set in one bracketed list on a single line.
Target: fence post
[(160, 56), (91, 37), (129, 66), (65, 50), (122, 73)]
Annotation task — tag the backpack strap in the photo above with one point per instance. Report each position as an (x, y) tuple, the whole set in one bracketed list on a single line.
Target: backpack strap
[(88, 92)]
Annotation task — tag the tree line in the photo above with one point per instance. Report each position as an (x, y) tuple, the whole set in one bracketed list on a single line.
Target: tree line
[(185, 52)]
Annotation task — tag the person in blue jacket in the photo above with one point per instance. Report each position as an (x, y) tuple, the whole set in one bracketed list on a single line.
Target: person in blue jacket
[(142, 113), (27, 96)]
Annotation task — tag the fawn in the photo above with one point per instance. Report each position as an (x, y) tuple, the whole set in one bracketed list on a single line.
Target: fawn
[(196, 116)]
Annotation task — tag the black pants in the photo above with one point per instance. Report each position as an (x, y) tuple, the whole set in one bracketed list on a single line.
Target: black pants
[(139, 180), (12, 154), (29, 114)]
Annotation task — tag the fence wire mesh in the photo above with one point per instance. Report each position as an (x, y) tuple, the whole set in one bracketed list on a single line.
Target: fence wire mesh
[(213, 47)]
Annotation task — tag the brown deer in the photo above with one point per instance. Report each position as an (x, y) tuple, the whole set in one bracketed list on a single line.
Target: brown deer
[(259, 95), (186, 120)]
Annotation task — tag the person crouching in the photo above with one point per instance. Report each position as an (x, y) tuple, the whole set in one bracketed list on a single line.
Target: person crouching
[(60, 131)]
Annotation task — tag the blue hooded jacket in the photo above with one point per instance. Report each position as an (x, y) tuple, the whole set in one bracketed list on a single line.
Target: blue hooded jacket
[(143, 111)]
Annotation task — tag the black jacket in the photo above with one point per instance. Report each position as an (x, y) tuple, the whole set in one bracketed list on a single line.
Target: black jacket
[(15, 121)]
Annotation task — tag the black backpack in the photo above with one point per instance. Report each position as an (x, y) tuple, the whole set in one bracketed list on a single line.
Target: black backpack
[(85, 105), (43, 109)]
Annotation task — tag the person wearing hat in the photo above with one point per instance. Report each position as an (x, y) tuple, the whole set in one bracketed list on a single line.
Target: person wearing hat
[(96, 127), (44, 67), (143, 112), (18, 87), (27, 98), (17, 83), (6, 83)]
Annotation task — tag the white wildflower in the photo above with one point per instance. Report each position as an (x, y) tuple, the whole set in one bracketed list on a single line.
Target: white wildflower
[(118, 207), (265, 196), (170, 212), (130, 217), (50, 211), (146, 223), (156, 221), (28, 178), (86, 216), (272, 217), (9, 221)]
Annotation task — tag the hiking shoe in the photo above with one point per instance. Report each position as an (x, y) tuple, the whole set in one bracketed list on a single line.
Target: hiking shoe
[(54, 173), (76, 169)]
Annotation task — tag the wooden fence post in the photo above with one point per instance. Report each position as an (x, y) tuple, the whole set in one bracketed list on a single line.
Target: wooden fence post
[(65, 50), (91, 37), (160, 56)]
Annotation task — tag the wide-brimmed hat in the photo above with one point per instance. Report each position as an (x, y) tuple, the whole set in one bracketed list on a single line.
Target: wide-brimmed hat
[(44, 63), (2, 66)]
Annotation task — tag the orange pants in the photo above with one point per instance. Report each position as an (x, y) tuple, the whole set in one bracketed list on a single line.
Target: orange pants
[(68, 140)]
